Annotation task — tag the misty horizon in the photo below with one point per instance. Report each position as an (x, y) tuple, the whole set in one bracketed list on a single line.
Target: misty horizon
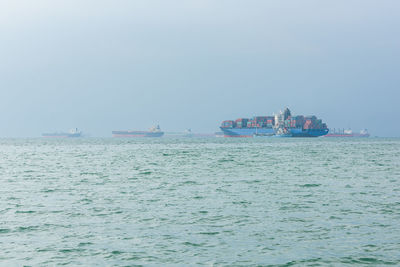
[(101, 66)]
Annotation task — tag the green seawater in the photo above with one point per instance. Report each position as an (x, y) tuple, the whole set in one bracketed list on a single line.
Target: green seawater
[(194, 201)]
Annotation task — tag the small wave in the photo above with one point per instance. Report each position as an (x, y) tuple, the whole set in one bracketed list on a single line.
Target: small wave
[(187, 243), (189, 182), (82, 244), (70, 250), (25, 211), (4, 230), (48, 190), (225, 160), (26, 228), (367, 260), (310, 185), (209, 233), (242, 202)]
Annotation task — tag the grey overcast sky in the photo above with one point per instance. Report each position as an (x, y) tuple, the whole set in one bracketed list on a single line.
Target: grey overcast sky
[(105, 65)]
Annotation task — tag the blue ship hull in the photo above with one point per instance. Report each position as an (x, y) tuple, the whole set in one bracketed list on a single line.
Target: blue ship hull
[(251, 132), (298, 132), (247, 132)]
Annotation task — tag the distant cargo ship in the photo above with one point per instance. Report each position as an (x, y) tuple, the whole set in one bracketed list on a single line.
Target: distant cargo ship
[(153, 132), (282, 124), (348, 133), (71, 133)]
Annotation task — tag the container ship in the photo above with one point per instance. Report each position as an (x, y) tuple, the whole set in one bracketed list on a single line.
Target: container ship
[(71, 133), (282, 124), (347, 133), (153, 132)]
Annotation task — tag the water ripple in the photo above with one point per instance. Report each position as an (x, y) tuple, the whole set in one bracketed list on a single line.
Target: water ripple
[(213, 202)]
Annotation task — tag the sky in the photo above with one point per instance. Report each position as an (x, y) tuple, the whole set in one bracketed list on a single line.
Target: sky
[(125, 64)]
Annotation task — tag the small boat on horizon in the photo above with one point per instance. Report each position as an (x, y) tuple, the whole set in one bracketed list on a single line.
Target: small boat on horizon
[(347, 133)]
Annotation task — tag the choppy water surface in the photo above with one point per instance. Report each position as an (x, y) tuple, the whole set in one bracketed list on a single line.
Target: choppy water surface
[(200, 201)]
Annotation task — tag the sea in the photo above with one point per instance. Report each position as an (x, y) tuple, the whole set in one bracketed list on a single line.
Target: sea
[(200, 202)]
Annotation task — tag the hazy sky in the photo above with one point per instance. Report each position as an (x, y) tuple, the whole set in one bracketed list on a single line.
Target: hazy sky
[(109, 65)]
